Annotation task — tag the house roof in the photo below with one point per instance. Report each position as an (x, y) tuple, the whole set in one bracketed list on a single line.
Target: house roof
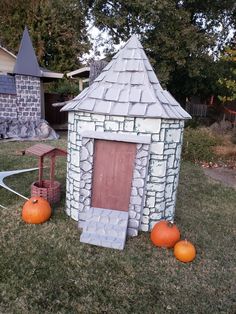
[(26, 61), (7, 61), (128, 86), (48, 75), (8, 52), (82, 72)]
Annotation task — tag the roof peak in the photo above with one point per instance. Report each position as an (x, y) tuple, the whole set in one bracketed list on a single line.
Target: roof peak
[(133, 42), (26, 61)]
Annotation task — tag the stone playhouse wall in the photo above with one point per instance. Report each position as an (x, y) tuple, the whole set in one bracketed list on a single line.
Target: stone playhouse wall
[(156, 169), (23, 101)]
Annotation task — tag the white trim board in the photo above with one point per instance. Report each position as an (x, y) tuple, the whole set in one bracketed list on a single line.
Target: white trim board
[(120, 137)]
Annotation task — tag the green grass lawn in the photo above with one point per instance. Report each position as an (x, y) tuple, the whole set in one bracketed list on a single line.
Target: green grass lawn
[(45, 269)]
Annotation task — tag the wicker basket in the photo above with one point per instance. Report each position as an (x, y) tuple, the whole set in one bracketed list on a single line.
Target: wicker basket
[(51, 193)]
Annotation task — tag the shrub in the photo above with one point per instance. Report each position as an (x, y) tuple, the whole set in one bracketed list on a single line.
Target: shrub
[(64, 87), (233, 137), (198, 145)]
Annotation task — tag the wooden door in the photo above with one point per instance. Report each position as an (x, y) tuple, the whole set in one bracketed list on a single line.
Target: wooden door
[(112, 174)]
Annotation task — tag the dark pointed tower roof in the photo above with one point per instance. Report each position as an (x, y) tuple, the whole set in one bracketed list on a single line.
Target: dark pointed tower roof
[(26, 61)]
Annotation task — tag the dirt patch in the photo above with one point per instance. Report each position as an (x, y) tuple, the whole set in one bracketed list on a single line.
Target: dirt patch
[(226, 176)]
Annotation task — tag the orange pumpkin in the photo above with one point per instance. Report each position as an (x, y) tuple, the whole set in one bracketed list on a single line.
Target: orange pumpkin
[(184, 251), (36, 210), (165, 234)]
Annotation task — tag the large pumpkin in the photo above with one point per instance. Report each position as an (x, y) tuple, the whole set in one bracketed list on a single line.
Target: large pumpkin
[(165, 234), (184, 251), (36, 210)]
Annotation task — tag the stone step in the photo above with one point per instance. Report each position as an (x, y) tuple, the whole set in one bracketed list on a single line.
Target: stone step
[(100, 228), (104, 241), (105, 227)]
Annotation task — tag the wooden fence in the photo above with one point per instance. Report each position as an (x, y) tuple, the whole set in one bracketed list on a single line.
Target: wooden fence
[(230, 115), (197, 110), (53, 115)]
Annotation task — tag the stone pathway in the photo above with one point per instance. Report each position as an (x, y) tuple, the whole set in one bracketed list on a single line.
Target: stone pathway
[(105, 227), (226, 176)]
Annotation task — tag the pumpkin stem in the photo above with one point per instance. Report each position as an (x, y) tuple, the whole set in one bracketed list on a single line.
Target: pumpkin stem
[(170, 224), (35, 201)]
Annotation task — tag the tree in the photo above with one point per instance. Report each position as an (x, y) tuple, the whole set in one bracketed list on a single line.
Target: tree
[(228, 80), (177, 36), (57, 29), (216, 18)]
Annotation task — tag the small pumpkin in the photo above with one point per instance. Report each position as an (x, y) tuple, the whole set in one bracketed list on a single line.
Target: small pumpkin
[(184, 251), (165, 234), (36, 210)]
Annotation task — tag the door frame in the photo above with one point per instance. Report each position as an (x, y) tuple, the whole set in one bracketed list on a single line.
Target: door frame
[(86, 176)]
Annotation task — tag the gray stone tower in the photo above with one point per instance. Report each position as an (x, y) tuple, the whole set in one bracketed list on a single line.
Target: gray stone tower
[(124, 146)]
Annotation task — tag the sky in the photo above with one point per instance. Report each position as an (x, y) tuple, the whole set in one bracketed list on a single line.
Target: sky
[(98, 39)]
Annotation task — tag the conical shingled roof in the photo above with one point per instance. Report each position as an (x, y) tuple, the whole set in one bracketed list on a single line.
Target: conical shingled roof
[(128, 86), (26, 61)]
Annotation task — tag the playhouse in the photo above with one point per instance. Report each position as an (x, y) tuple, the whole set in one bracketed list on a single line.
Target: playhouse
[(124, 146)]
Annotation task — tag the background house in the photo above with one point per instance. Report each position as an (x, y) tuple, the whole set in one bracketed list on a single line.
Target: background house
[(7, 61), (22, 82)]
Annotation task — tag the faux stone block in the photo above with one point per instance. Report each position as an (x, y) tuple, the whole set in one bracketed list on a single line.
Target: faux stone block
[(168, 190), (170, 161), (150, 201), (84, 193), (162, 135), (170, 179), (138, 183), (155, 137), (147, 125), (144, 227), (169, 211), (85, 166), (74, 213), (132, 214), (85, 126), (172, 172), (146, 211), (133, 223), (72, 137), (157, 148), (137, 200), (75, 158), (173, 135), (134, 192), (137, 208), (169, 152), (84, 154), (116, 118), (71, 117), (129, 125), (132, 232), (158, 168), (156, 216), (111, 125), (160, 194), (145, 219), (142, 153)]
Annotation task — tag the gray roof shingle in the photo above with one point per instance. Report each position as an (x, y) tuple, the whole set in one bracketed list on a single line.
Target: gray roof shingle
[(128, 86)]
